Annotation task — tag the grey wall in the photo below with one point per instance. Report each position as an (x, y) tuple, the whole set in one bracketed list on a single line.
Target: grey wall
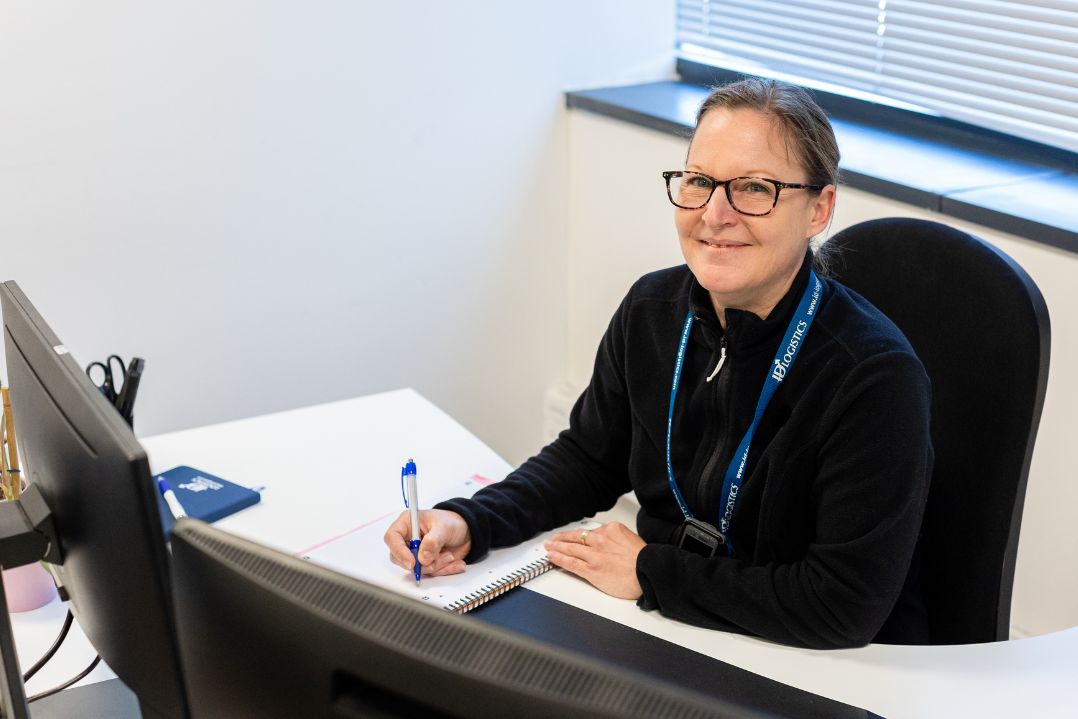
[(280, 203)]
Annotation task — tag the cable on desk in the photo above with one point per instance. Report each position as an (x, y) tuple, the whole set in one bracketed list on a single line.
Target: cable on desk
[(69, 682), (52, 650)]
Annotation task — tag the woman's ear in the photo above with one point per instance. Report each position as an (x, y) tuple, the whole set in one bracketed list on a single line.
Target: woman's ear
[(821, 208)]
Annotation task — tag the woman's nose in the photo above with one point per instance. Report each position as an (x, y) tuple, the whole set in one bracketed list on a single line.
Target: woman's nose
[(718, 212)]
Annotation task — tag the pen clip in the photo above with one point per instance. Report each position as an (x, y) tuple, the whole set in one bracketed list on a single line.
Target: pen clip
[(407, 469)]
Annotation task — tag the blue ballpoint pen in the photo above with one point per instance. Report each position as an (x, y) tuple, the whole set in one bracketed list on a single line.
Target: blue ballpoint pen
[(411, 502), (170, 498)]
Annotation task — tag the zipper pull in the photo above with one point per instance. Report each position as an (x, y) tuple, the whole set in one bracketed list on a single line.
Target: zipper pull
[(722, 358)]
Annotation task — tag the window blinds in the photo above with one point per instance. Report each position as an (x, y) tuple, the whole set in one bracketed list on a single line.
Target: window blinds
[(1008, 66)]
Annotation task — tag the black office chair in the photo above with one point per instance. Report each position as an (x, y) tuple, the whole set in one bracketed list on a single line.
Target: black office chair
[(980, 325)]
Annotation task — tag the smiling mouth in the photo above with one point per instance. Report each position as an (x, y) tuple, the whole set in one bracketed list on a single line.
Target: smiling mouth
[(722, 244)]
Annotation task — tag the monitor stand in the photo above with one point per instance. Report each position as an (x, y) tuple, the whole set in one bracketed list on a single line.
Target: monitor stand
[(109, 699), (27, 535), (12, 691)]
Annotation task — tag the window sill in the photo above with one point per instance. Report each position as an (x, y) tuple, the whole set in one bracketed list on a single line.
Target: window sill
[(1024, 198)]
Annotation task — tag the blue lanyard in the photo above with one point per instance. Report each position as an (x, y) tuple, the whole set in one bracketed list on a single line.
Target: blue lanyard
[(778, 369)]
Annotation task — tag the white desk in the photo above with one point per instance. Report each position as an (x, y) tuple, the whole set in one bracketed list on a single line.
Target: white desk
[(345, 475), (329, 468), (1036, 677)]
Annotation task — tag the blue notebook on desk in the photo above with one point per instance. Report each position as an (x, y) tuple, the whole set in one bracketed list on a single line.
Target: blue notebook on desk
[(202, 495)]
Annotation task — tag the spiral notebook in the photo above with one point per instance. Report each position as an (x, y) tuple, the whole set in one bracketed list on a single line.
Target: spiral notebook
[(363, 555)]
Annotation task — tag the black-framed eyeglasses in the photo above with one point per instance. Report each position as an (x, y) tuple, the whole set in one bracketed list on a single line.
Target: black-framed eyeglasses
[(754, 196)]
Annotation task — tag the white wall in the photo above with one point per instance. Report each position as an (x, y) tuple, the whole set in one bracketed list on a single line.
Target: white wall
[(278, 203), (622, 227)]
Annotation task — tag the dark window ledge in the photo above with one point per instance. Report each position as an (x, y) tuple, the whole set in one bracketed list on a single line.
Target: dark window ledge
[(1027, 198)]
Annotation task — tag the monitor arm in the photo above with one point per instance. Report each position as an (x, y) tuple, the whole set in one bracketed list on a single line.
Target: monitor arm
[(27, 531)]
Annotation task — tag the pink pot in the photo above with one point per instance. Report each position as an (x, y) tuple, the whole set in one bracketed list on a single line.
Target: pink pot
[(28, 587)]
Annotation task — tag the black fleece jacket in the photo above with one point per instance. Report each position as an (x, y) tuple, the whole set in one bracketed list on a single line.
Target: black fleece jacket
[(829, 515)]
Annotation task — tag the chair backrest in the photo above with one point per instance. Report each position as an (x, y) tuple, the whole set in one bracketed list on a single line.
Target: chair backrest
[(981, 328)]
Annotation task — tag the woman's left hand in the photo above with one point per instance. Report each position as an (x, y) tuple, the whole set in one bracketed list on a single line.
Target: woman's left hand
[(605, 556)]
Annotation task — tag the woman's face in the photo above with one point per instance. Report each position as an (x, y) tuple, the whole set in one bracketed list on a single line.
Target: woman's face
[(748, 262)]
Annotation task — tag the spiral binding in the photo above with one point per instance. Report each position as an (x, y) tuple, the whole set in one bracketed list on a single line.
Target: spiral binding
[(500, 586)]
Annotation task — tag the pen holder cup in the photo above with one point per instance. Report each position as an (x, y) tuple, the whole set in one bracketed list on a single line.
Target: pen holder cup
[(28, 587)]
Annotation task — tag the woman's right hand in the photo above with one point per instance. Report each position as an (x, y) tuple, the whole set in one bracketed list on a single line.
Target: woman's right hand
[(446, 542)]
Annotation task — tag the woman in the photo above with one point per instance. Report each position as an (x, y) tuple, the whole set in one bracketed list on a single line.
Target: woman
[(799, 526)]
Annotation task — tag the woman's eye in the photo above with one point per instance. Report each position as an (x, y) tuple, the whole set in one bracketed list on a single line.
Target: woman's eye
[(698, 182), (757, 188)]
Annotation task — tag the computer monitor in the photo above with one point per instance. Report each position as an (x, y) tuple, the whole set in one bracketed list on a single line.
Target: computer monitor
[(85, 462), (264, 634)]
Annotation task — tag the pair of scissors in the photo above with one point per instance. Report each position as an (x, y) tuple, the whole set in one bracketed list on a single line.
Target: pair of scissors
[(109, 376)]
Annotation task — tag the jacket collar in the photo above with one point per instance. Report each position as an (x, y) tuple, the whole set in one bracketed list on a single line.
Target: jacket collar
[(745, 331)]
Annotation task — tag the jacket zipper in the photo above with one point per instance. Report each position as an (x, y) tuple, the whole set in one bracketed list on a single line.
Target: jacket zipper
[(722, 359), (722, 409)]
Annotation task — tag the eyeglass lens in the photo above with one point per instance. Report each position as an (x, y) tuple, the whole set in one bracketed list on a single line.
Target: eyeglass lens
[(746, 194)]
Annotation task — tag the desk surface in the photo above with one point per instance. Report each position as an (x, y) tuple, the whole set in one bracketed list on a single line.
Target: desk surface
[(329, 489)]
